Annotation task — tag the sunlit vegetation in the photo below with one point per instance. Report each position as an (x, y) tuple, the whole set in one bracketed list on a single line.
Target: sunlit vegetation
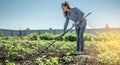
[(100, 49)]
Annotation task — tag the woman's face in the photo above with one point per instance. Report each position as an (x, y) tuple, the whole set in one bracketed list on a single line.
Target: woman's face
[(64, 8)]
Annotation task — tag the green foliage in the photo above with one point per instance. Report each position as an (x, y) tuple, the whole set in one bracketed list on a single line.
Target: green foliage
[(67, 59), (67, 47), (109, 52), (7, 38), (16, 50), (33, 36), (55, 60), (39, 61), (70, 37), (47, 61), (47, 36), (0, 34), (13, 55), (58, 38), (104, 47), (9, 63)]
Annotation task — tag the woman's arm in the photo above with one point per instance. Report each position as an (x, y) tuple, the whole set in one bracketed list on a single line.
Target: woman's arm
[(66, 24)]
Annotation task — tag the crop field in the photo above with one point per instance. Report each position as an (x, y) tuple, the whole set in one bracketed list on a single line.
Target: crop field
[(100, 49)]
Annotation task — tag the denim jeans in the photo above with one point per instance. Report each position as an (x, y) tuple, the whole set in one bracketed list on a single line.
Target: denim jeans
[(79, 36)]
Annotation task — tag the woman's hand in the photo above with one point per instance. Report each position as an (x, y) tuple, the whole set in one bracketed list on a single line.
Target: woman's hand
[(77, 23)]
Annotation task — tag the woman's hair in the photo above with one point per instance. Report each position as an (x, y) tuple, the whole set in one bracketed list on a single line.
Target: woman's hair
[(66, 5)]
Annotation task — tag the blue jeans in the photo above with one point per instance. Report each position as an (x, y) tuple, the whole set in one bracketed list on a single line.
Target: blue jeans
[(79, 36)]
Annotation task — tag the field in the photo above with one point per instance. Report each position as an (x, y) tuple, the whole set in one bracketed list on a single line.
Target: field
[(100, 49)]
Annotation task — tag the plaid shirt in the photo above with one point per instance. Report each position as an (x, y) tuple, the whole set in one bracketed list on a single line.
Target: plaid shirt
[(75, 15)]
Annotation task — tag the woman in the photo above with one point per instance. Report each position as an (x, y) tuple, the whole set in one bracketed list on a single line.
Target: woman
[(75, 15)]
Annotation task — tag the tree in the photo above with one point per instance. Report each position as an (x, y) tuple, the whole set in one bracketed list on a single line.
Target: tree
[(0, 33), (27, 28), (106, 26)]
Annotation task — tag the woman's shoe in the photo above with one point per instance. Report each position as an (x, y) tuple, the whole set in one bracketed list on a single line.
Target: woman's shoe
[(80, 52)]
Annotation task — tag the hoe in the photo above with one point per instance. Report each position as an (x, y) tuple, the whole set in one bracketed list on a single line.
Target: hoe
[(61, 35)]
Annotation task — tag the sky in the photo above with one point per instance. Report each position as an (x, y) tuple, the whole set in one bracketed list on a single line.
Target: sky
[(45, 14)]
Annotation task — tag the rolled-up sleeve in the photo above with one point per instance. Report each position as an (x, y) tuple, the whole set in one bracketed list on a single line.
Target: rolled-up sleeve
[(66, 24)]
